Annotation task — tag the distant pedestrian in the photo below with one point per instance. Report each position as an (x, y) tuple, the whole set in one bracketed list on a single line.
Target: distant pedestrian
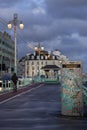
[(14, 80)]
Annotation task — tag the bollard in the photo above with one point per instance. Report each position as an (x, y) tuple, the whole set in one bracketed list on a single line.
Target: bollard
[(9, 84), (72, 94)]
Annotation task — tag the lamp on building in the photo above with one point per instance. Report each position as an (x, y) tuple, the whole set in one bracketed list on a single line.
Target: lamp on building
[(42, 48), (15, 22)]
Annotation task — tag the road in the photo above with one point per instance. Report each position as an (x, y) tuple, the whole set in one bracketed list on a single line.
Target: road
[(38, 109)]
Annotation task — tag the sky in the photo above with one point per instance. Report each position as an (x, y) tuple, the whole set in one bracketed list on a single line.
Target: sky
[(56, 24)]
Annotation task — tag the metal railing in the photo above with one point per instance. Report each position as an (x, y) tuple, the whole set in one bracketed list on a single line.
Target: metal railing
[(6, 86), (50, 80), (85, 94)]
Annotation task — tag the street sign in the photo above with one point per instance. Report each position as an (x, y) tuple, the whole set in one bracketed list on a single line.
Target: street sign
[(71, 65)]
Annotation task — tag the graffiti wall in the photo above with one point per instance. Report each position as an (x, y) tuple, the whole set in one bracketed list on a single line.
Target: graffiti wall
[(71, 96)]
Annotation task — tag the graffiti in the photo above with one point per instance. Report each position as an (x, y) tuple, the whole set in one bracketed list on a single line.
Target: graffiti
[(68, 104), (71, 90)]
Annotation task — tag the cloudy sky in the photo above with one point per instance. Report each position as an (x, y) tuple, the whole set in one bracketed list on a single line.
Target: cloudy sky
[(56, 24)]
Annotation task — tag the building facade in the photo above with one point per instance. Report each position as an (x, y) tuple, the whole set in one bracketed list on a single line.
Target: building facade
[(40, 63), (6, 53)]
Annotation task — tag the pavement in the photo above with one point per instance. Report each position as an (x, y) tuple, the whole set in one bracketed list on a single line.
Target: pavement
[(38, 108)]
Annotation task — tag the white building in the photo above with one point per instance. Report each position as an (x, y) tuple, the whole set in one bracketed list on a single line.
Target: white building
[(41, 63)]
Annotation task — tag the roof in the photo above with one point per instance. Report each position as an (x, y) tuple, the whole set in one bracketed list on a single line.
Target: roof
[(48, 67), (37, 57)]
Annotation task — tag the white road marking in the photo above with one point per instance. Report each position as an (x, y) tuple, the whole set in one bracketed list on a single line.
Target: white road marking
[(21, 94)]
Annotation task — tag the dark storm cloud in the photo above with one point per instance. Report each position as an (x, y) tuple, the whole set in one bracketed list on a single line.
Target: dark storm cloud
[(52, 29), (67, 8), (66, 3), (72, 46), (8, 3), (57, 24)]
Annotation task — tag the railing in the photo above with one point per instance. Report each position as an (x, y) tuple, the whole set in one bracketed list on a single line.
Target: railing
[(8, 85), (85, 94), (46, 80), (5, 86)]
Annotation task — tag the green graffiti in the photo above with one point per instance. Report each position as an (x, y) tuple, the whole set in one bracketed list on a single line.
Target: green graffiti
[(71, 88), (65, 86), (68, 102)]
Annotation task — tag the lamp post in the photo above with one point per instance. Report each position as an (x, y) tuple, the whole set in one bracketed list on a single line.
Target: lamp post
[(39, 49), (15, 22)]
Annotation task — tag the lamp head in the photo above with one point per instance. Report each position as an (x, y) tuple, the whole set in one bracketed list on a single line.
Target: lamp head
[(21, 25), (9, 25)]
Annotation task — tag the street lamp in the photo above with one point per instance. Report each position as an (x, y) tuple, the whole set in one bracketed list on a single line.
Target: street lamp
[(15, 22), (38, 49)]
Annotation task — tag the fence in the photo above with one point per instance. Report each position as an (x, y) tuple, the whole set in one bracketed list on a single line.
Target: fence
[(6, 86), (85, 94), (46, 80)]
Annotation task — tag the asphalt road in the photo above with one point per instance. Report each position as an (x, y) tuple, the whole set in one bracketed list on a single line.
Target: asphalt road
[(38, 109)]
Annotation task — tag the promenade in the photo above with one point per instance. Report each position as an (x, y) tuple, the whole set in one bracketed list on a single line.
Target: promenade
[(38, 108)]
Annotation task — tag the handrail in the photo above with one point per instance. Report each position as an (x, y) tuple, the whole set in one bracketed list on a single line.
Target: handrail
[(8, 85), (85, 94)]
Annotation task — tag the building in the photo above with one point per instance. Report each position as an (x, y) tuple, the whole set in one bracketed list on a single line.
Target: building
[(21, 67), (6, 53), (41, 63)]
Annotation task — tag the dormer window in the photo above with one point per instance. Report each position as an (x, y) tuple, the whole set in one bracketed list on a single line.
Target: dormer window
[(32, 57), (41, 57), (45, 57), (38, 57), (53, 57), (32, 63)]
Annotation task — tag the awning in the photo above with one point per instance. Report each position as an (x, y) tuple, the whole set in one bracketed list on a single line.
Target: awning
[(49, 67)]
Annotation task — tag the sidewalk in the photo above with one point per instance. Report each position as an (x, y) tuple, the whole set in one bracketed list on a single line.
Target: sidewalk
[(10, 94)]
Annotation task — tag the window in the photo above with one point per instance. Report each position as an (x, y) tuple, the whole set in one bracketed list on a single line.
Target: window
[(32, 67), (38, 57), (42, 57), (32, 73), (32, 63), (46, 57), (27, 62), (3, 42), (53, 62), (32, 57), (41, 63), (0, 40), (37, 63), (37, 67), (53, 57), (46, 62)]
